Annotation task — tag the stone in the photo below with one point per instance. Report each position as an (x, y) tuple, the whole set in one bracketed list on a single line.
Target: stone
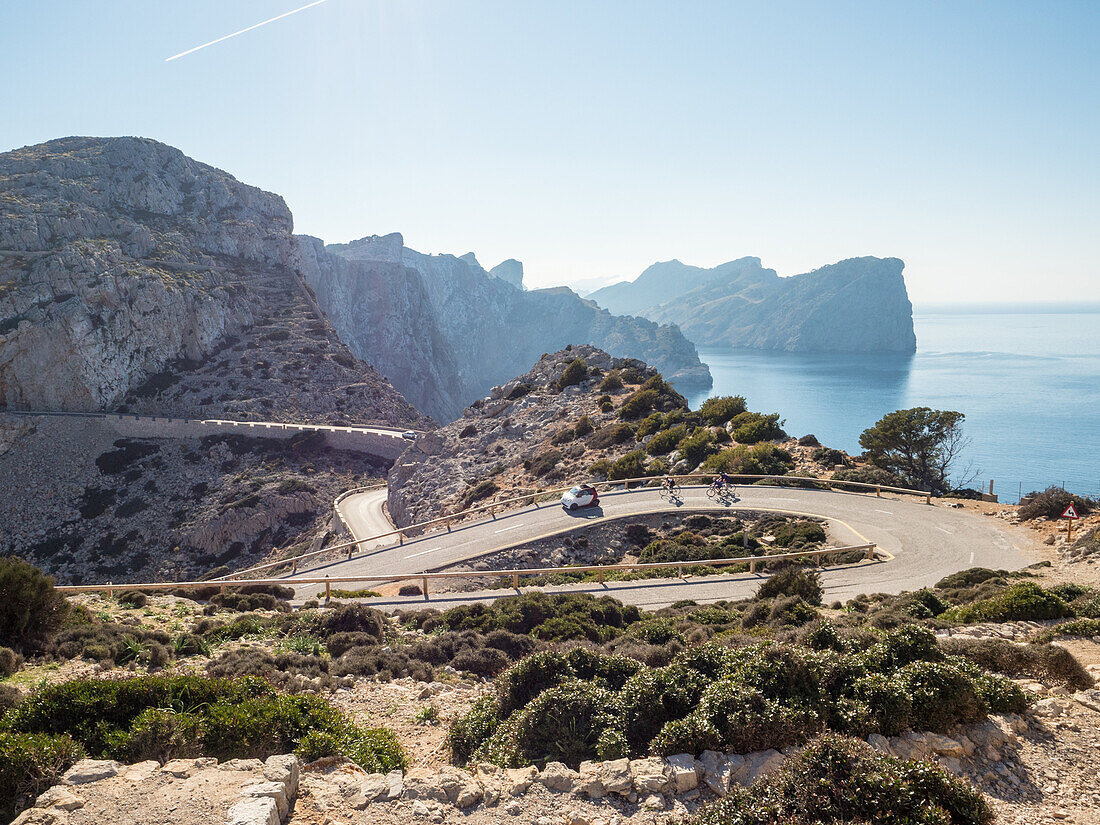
[(649, 775), (420, 809), (269, 790), (879, 743), (262, 811), (588, 783), (373, 785), (90, 770), (716, 772), (284, 768), (944, 745), (518, 780), (558, 777), (140, 771), (184, 768), (575, 817), (59, 797), (460, 788), (240, 765), (654, 802), (42, 816), (739, 768), (684, 775), (396, 782), (1089, 698), (422, 783), (763, 763), (614, 775)]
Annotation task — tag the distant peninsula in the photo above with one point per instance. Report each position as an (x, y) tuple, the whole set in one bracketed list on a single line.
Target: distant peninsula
[(856, 305)]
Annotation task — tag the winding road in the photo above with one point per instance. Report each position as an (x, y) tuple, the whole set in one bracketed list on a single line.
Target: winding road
[(926, 542)]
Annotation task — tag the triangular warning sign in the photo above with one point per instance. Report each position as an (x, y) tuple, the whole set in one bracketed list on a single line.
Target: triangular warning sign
[(1070, 513)]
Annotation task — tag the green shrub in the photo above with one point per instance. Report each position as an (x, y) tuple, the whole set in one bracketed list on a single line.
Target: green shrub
[(611, 382), (942, 694), (752, 428), (653, 697), (543, 463), (720, 409), (10, 697), (583, 427), (799, 534), (1051, 503), (611, 434), (524, 681), (631, 465), (903, 646), (665, 441), (1025, 601), (827, 457), (638, 404), (133, 599), (349, 618), (482, 490), (29, 764), (869, 475), (792, 581), (838, 780), (1045, 662), (563, 724), (31, 611), (888, 705), (650, 425), (759, 459), (1078, 627), (576, 372), (468, 731), (10, 661), (697, 446)]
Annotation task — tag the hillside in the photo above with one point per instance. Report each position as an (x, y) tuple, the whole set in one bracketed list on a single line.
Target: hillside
[(857, 305), (445, 330)]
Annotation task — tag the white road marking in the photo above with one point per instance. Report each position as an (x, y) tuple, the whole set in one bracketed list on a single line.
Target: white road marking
[(949, 532), (887, 512), (506, 529), (423, 552), (971, 556), (776, 498)]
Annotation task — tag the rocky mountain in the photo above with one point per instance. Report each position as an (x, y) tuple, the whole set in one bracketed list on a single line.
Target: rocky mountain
[(445, 330), (133, 275), (856, 305)]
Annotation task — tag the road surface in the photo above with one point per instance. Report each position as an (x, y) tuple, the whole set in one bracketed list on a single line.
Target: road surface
[(926, 542)]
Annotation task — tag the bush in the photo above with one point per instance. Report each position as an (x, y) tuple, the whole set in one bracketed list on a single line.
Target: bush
[(942, 694), (697, 446), (752, 428), (869, 475), (792, 581), (760, 459), (576, 372), (631, 465), (468, 731), (638, 404), (410, 590), (1025, 601), (610, 435), (827, 457), (133, 599), (483, 661), (524, 681), (889, 708), (29, 764), (1045, 662), (481, 490), (563, 724), (720, 409), (665, 441), (839, 780), (350, 618), (583, 427), (10, 696), (653, 697), (1051, 503), (544, 463), (32, 611), (611, 382), (10, 661), (382, 663)]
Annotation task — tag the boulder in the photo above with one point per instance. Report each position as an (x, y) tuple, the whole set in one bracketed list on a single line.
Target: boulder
[(91, 770), (558, 777), (262, 811), (650, 775), (683, 773)]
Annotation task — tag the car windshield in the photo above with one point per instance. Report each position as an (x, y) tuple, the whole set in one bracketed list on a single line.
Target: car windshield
[(576, 491)]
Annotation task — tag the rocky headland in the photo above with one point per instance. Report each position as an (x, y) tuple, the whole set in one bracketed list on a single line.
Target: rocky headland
[(856, 305)]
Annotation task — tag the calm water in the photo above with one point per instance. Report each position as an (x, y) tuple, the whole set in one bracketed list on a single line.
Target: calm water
[(1029, 385)]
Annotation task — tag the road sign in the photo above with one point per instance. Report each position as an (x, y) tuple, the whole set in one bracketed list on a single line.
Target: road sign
[(1071, 513)]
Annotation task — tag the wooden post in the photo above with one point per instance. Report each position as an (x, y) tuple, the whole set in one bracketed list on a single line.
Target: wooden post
[(294, 568), (448, 525), (870, 554), (424, 582), (515, 581), (680, 571), (752, 565), (599, 575), (928, 498), (400, 537), (493, 511), (349, 551), (878, 492), (328, 588)]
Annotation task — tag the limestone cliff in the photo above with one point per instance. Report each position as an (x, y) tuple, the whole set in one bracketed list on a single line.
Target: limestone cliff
[(132, 274), (481, 327), (856, 305)]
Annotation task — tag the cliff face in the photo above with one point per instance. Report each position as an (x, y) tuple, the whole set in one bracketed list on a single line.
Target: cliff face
[(487, 327), (857, 305), (130, 273)]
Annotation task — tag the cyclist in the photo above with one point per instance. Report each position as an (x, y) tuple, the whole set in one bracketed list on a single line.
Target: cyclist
[(669, 485), (725, 483)]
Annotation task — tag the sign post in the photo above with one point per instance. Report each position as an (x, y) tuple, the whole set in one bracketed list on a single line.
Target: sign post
[(1071, 514)]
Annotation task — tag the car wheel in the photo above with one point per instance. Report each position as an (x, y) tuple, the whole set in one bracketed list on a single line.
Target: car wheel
[(573, 506)]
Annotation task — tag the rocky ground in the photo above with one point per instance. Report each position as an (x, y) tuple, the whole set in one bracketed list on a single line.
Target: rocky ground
[(85, 505)]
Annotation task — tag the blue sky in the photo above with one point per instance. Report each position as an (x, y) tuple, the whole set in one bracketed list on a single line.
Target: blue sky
[(591, 139)]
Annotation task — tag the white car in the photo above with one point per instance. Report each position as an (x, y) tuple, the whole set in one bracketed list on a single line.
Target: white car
[(409, 435), (582, 496)]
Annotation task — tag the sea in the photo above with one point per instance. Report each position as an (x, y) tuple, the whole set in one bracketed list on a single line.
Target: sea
[(1027, 381)]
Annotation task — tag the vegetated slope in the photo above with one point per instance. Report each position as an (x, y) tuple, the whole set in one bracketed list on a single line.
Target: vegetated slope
[(856, 305), (127, 267), (88, 506), (581, 414), (445, 330)]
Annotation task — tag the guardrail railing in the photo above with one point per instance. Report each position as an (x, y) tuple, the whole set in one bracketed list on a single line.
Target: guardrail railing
[(532, 499), (353, 491), (817, 554)]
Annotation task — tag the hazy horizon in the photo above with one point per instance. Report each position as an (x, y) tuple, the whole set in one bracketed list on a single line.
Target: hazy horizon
[(590, 141)]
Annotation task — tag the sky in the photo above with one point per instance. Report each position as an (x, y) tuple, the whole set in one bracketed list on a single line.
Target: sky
[(589, 140)]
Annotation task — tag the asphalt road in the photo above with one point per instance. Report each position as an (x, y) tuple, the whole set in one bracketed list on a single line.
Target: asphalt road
[(926, 541)]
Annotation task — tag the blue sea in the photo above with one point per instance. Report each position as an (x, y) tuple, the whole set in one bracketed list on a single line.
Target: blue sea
[(1028, 383)]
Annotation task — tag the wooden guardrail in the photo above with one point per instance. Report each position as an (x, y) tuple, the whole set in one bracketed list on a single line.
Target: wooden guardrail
[(816, 555), (532, 499)]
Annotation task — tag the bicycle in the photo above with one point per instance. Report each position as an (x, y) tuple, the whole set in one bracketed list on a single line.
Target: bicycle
[(671, 492), (720, 491)]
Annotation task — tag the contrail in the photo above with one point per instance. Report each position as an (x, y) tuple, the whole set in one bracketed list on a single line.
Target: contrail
[(242, 31)]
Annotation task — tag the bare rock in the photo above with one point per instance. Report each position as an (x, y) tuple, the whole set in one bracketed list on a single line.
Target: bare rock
[(684, 775), (558, 777), (90, 770), (59, 797)]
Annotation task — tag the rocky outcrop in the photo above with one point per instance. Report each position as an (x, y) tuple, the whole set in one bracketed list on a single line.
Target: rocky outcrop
[(857, 305), (520, 437), (472, 328), (125, 266)]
